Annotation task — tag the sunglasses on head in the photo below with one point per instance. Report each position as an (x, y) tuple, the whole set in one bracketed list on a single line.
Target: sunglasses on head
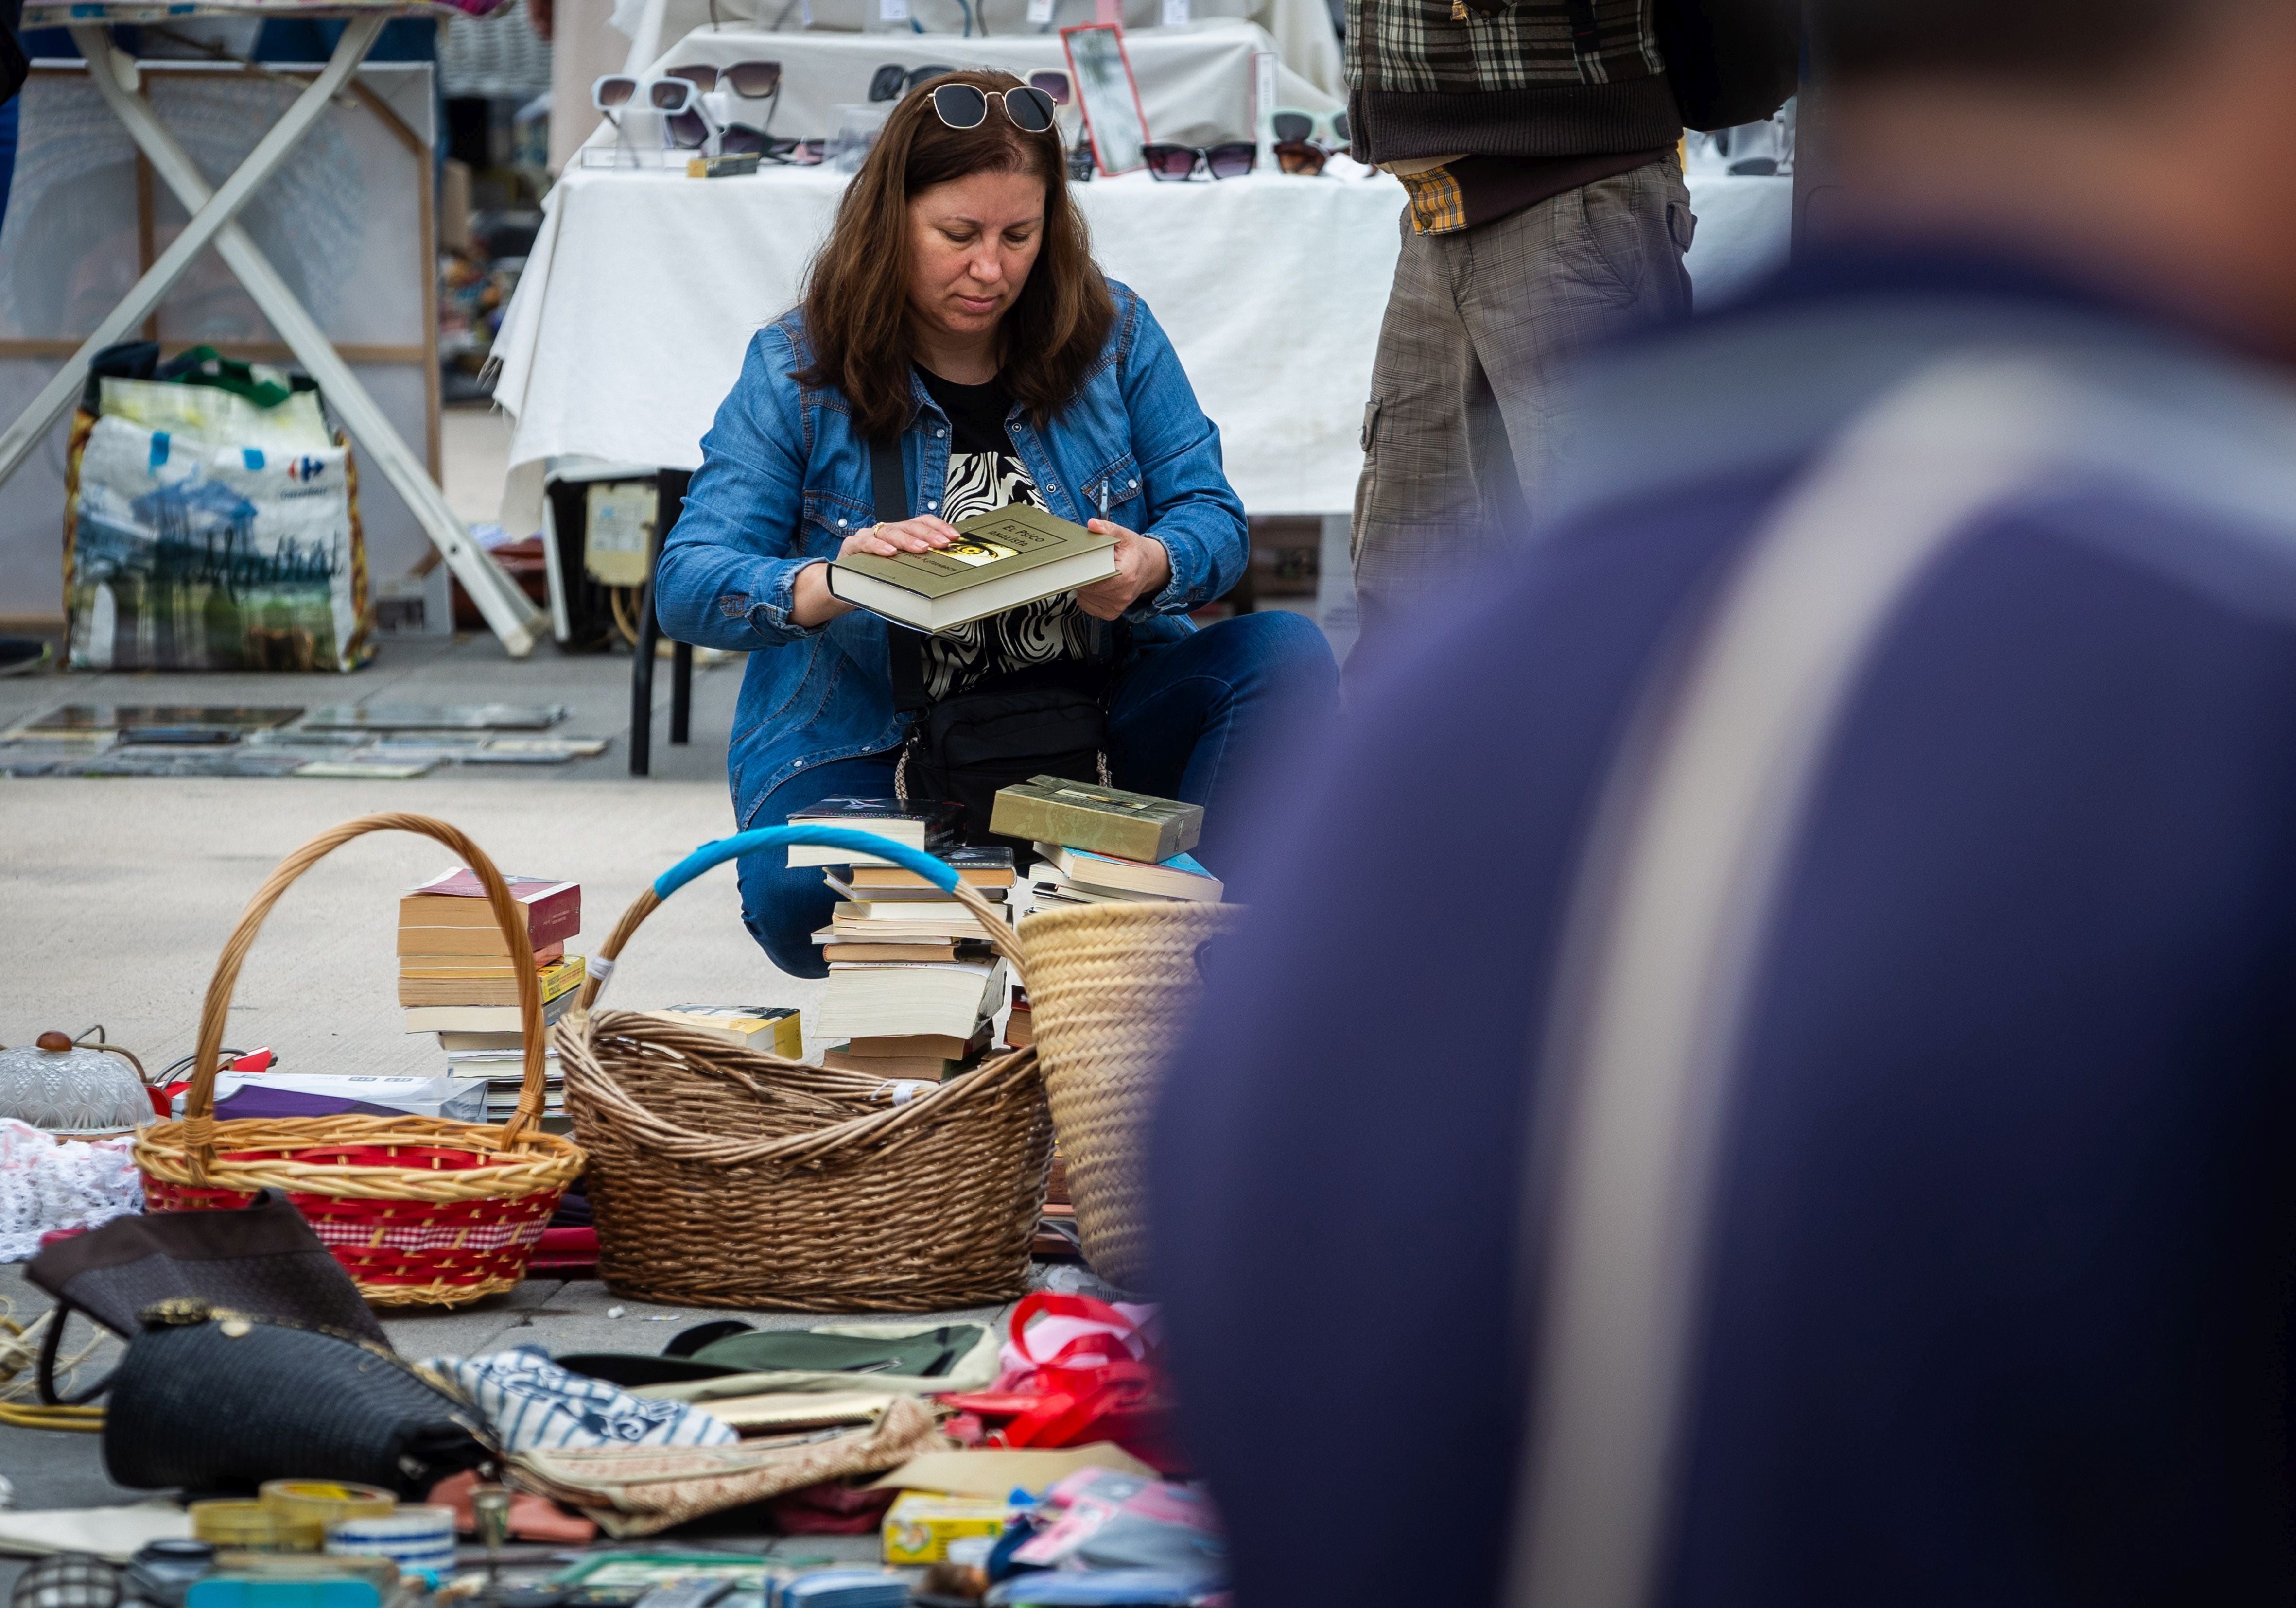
[(966, 106), (891, 81), (1176, 164), (1294, 125), (751, 80)]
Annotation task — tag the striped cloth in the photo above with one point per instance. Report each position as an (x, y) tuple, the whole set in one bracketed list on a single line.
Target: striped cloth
[(530, 1404)]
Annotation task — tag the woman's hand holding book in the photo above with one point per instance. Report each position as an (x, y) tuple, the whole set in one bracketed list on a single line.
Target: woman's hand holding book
[(1142, 569), (813, 604)]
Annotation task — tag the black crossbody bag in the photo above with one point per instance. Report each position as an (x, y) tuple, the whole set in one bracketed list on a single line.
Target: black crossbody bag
[(1051, 720)]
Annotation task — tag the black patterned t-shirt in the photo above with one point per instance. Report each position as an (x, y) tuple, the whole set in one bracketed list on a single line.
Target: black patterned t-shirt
[(986, 474)]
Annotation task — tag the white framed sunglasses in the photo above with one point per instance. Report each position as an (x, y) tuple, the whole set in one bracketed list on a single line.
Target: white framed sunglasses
[(621, 92), (1328, 129)]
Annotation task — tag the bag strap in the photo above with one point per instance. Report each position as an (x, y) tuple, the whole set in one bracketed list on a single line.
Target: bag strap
[(49, 1343), (889, 488)]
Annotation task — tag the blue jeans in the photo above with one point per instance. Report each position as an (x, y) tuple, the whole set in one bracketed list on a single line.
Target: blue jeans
[(1188, 719)]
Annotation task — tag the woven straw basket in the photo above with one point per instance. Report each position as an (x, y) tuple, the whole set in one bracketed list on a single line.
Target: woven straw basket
[(420, 1210), (722, 1176), (1112, 986)]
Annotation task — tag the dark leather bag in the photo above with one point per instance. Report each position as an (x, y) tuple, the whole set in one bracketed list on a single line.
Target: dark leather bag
[(262, 1258), (212, 1399), (1051, 722)]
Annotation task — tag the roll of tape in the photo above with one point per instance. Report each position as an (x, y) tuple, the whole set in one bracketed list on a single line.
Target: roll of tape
[(420, 1539)]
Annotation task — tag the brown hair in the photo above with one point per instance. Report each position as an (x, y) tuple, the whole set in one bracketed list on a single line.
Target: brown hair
[(856, 297)]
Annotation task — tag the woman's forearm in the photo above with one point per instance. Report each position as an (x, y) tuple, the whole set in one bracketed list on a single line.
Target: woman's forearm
[(813, 604)]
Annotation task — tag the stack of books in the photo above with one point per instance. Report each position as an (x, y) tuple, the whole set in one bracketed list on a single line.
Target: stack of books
[(456, 978), (1102, 845), (914, 987)]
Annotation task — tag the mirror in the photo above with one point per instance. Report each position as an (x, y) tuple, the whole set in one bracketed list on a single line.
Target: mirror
[(1103, 76)]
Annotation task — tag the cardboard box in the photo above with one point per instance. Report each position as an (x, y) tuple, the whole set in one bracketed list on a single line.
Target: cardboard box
[(920, 1524)]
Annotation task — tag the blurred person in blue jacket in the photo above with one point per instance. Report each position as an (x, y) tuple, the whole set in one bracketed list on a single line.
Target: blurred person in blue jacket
[(957, 309), (1810, 1121)]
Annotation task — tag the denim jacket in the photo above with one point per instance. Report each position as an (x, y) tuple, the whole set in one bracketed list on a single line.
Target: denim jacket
[(784, 479)]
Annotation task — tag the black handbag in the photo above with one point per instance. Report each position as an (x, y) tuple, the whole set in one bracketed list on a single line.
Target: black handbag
[(1730, 61), (1049, 721), (212, 1399), (262, 1258)]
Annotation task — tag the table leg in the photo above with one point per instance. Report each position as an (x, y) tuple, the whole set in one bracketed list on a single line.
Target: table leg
[(681, 691), (669, 497), (206, 223), (649, 638), (512, 615)]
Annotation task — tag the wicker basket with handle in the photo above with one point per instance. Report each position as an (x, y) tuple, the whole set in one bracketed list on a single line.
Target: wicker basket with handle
[(1111, 987), (723, 1176), (420, 1210)]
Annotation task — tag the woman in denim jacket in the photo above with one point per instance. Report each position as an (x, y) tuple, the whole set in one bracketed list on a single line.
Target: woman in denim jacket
[(957, 304)]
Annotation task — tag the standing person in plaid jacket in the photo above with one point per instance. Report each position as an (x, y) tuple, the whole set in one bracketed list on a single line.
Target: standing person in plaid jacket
[(1538, 141)]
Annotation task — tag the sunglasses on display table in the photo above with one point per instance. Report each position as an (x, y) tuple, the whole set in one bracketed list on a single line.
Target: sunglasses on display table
[(891, 81), (1292, 124), (617, 92), (751, 80), (1177, 164)]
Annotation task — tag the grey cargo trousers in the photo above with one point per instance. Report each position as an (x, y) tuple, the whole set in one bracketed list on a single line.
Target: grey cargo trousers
[(1464, 420)]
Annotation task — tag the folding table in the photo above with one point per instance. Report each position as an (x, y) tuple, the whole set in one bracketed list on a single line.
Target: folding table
[(213, 213)]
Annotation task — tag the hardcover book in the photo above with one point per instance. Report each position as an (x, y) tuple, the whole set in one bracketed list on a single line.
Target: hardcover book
[(554, 909), (1013, 557), (1105, 820)]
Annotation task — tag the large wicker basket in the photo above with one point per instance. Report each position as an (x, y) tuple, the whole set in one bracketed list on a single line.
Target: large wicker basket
[(420, 1210), (1111, 986), (722, 1176)]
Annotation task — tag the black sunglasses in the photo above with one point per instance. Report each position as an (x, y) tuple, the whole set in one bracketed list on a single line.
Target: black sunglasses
[(1176, 164), (740, 139), (891, 81), (966, 106)]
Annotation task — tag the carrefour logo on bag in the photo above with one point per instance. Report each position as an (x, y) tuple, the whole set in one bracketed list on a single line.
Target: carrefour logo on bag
[(306, 469)]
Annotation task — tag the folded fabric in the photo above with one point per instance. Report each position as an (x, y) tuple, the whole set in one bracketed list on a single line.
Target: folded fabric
[(636, 1490), (530, 1404), (825, 1357)]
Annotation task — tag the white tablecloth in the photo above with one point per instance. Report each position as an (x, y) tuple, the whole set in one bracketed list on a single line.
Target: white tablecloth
[(644, 288), (1195, 83), (1301, 28)]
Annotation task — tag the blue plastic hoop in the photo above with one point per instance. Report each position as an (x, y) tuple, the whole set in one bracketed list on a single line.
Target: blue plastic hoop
[(708, 855)]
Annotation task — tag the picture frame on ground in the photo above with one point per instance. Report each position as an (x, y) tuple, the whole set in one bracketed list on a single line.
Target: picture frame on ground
[(1109, 96)]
